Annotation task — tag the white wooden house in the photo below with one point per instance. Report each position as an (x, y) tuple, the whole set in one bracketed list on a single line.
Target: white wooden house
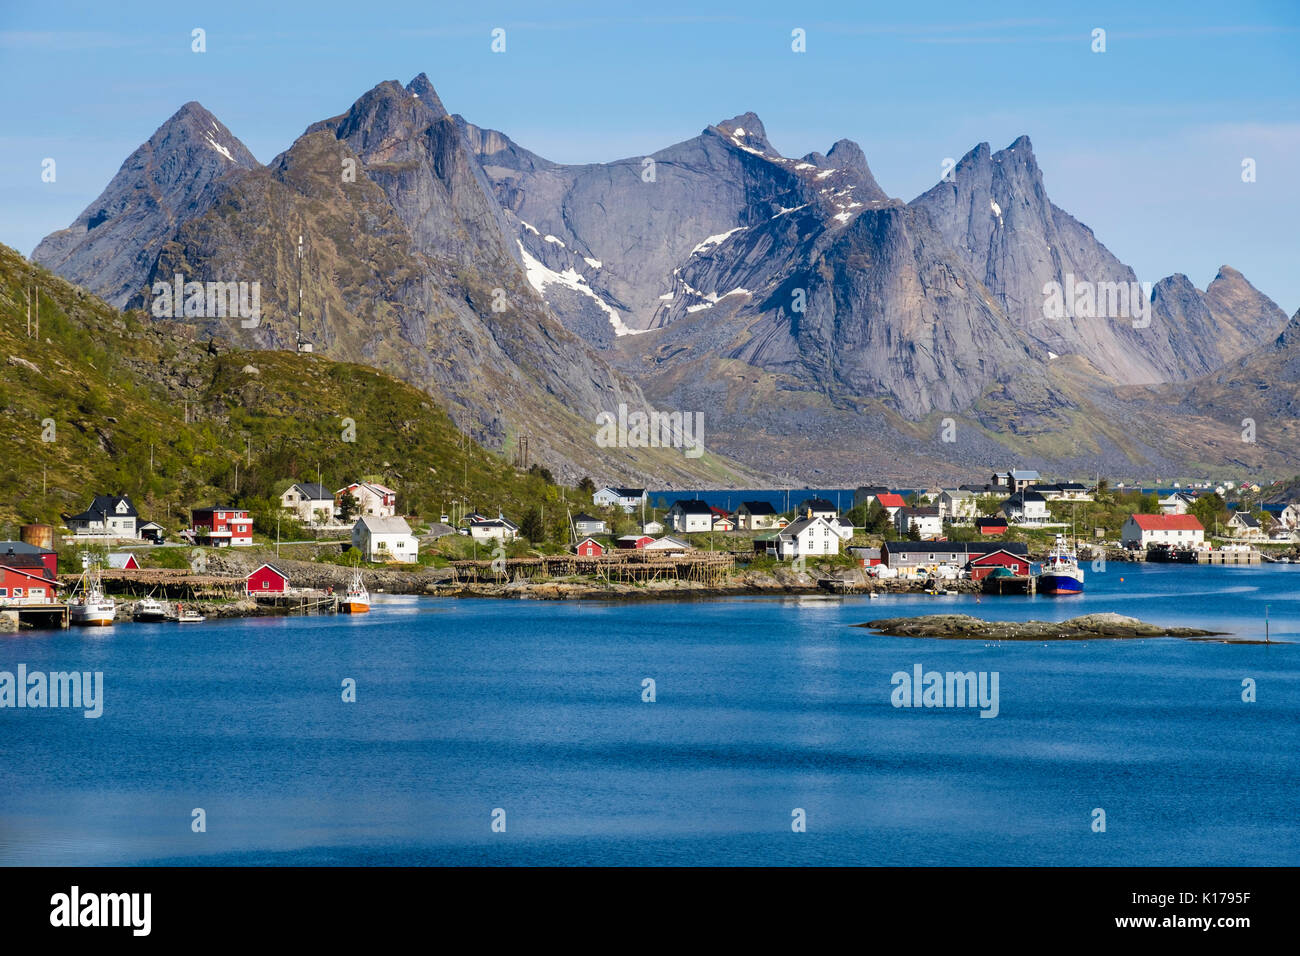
[(689, 516), (385, 539), (629, 499), (1139, 531), (309, 502), (372, 499)]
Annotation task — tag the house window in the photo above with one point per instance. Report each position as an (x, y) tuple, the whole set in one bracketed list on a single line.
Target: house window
[(4, 592), (18, 592)]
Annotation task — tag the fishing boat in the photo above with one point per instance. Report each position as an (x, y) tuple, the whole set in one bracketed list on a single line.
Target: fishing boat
[(149, 610), (1061, 573), (186, 615), (356, 600), (90, 606)]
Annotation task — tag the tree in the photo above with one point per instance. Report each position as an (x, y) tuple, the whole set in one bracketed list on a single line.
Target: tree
[(587, 486), (1207, 509), (347, 507), (913, 532), (531, 526)]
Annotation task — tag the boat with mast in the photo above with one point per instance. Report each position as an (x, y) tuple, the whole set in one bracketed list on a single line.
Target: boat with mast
[(1061, 573), (356, 600), (90, 606)]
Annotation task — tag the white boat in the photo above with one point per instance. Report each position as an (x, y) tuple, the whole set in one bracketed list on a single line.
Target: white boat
[(356, 600), (90, 606), (149, 610), (188, 615)]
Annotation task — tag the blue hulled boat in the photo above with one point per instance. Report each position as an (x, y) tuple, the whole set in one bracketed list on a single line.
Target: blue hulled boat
[(1061, 573)]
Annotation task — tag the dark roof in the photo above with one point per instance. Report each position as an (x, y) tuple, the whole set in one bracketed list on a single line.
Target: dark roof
[(758, 507), (1021, 497), (1248, 519), (816, 504), (871, 490), (17, 560), (22, 547), (998, 522), (955, 547), (981, 489), (692, 506), (204, 511), (586, 517), (314, 491), (630, 492), (105, 504), (924, 512)]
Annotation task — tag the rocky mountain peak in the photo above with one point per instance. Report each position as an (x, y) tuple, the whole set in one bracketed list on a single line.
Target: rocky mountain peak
[(423, 88), (172, 176), (846, 154), (745, 130)]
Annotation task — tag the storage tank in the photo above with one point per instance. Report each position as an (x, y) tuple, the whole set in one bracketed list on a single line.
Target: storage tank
[(39, 535)]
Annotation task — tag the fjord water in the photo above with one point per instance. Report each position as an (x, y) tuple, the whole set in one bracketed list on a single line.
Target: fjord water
[(763, 705)]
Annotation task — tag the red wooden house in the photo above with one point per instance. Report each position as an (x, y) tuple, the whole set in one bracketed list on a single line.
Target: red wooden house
[(986, 564), (267, 579), (48, 557), (222, 526), (25, 580), (590, 548), (991, 526)]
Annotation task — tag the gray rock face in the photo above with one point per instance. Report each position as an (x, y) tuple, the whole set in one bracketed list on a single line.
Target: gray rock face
[(173, 177), (996, 216), (642, 218), (818, 321)]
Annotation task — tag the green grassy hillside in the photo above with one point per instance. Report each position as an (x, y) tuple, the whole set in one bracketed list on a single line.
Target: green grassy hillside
[(91, 395)]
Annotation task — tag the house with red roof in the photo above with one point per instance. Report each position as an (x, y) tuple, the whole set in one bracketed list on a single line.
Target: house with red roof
[(1140, 531), (891, 502)]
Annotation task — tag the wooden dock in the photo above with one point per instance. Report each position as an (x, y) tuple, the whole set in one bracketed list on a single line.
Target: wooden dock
[(1010, 584)]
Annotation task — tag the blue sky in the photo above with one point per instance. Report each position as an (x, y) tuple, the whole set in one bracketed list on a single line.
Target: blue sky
[(1144, 142)]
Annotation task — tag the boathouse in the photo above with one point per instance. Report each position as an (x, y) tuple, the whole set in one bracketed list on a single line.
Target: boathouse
[(986, 564), (589, 548), (267, 579)]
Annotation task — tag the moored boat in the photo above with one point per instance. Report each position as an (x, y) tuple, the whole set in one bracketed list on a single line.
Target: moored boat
[(1061, 573), (149, 610), (90, 606), (356, 600), (186, 615)]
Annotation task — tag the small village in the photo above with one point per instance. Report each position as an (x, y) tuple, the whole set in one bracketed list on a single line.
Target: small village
[(989, 536)]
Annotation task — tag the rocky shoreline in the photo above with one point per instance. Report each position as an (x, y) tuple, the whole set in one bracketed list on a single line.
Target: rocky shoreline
[(1103, 626)]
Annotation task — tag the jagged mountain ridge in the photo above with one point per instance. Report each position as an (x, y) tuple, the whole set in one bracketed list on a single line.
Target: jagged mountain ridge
[(170, 178), (407, 269), (686, 280)]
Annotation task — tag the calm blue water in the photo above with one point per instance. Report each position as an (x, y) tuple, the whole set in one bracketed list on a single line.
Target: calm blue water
[(764, 705)]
